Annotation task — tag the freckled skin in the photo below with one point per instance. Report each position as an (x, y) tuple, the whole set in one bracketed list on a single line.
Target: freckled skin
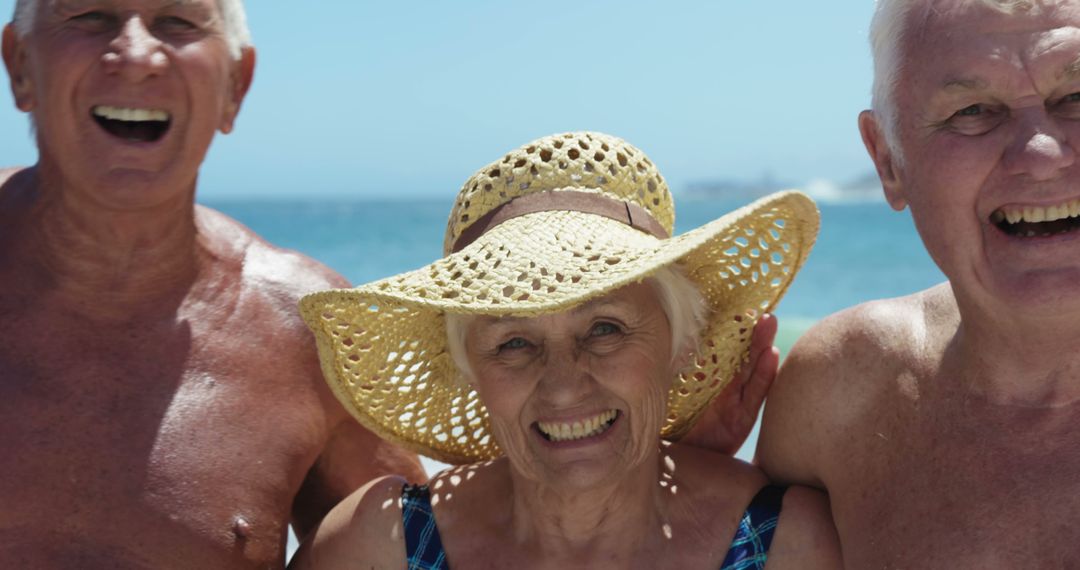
[(943, 424), (161, 403)]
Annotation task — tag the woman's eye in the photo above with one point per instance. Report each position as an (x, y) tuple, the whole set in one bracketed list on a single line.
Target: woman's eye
[(603, 329), (514, 344)]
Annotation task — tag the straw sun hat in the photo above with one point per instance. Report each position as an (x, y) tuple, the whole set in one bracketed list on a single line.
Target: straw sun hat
[(552, 224)]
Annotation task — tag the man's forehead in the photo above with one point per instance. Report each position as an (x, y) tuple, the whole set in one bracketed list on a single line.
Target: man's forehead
[(950, 14), (954, 36), (152, 4), (967, 80)]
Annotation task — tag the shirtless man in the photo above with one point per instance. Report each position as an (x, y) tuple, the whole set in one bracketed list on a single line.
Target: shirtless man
[(944, 424), (161, 404)]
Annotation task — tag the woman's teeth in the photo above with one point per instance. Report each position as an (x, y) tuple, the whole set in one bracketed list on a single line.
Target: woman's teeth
[(569, 431)]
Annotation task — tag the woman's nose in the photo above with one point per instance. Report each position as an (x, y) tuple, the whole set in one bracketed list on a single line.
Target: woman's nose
[(566, 379)]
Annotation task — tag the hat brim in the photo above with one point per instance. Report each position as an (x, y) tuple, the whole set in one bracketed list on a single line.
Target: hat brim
[(383, 347)]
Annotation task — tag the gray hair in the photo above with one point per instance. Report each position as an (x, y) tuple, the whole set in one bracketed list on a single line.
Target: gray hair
[(681, 300), (233, 17), (889, 28)]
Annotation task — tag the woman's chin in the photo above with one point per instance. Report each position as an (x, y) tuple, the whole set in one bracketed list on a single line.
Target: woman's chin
[(584, 463)]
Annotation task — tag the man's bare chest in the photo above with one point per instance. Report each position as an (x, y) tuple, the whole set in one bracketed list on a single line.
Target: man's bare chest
[(125, 437), (965, 494)]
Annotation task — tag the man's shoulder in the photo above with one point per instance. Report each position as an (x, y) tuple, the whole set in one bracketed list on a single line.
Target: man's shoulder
[(7, 172), (269, 280), (13, 177), (844, 370), (878, 331), (848, 357), (280, 273)]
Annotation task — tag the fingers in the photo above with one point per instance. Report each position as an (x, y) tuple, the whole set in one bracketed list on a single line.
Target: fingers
[(764, 333), (756, 388), (761, 343), (729, 419)]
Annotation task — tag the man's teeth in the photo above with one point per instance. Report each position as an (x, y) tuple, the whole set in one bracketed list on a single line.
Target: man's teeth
[(132, 115), (1036, 214), (563, 431)]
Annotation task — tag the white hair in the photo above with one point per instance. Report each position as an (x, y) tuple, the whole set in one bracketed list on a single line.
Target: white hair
[(233, 17), (890, 26), (681, 300), (886, 35)]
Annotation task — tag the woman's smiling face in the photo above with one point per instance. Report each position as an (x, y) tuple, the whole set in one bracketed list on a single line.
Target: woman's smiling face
[(578, 397)]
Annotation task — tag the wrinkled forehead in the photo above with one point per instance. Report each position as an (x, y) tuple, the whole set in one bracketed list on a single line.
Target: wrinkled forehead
[(67, 5), (950, 16), (965, 31)]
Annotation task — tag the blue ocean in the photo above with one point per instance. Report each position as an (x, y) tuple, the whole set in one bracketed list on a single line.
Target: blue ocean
[(865, 251)]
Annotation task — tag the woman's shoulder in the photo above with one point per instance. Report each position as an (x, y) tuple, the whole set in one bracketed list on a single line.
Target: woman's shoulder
[(363, 531), (709, 491), (470, 492), (805, 535), (701, 468)]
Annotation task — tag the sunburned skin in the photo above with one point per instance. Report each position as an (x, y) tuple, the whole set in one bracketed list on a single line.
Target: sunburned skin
[(919, 465), (943, 424), (184, 430), (161, 403)]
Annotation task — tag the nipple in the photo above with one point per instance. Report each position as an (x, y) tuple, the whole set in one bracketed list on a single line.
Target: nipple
[(241, 528)]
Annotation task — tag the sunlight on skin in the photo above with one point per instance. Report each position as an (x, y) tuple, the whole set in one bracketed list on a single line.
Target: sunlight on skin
[(444, 484)]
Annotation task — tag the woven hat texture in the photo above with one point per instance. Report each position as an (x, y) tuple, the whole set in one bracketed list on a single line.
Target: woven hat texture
[(383, 345)]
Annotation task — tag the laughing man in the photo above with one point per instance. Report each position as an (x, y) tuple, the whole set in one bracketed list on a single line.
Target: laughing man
[(161, 405), (944, 424)]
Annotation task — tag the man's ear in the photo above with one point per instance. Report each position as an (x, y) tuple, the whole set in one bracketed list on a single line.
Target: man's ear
[(881, 153), (14, 50), (242, 76)]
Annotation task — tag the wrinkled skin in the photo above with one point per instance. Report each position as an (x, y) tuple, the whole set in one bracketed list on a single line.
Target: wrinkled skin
[(572, 492), (161, 403), (943, 424)]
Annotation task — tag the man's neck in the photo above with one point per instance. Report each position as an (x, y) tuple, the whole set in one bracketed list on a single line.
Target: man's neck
[(109, 262), (1013, 358)]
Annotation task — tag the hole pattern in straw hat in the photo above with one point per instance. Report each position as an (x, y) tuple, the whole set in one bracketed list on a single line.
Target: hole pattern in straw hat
[(383, 345), (411, 394), (588, 162)]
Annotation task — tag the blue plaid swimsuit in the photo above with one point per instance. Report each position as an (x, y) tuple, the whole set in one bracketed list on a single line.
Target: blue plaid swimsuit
[(748, 551)]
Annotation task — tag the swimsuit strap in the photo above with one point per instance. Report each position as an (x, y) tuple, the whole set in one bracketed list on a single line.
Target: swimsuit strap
[(423, 547), (750, 548)]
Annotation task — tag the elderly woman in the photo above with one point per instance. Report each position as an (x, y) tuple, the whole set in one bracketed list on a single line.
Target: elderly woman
[(554, 353)]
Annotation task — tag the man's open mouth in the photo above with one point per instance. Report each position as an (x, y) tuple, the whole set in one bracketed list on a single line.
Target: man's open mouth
[(1038, 221), (140, 125)]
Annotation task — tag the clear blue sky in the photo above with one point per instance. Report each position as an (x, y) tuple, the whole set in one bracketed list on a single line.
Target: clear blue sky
[(378, 98)]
